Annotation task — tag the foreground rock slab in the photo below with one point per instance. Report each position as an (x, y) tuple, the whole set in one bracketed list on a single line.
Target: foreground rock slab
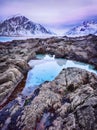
[(67, 103)]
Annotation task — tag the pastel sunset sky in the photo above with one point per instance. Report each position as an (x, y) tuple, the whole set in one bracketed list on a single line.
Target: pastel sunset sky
[(49, 12)]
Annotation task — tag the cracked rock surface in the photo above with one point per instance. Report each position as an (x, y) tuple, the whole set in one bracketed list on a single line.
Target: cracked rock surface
[(67, 103)]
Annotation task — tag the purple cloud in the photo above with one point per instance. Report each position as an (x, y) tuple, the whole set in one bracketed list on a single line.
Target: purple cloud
[(49, 12)]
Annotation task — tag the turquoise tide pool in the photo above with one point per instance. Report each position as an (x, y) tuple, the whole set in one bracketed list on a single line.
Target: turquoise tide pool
[(47, 68)]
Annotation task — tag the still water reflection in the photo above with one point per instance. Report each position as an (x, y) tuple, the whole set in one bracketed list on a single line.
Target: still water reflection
[(47, 68)]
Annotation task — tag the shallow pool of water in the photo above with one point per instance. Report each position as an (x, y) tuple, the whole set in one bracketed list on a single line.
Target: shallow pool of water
[(47, 68), (8, 39)]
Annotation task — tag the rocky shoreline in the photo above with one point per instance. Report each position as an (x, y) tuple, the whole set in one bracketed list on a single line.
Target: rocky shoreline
[(67, 103)]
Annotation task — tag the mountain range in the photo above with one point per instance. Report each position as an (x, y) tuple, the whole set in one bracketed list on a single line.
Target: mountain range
[(21, 26), (86, 28)]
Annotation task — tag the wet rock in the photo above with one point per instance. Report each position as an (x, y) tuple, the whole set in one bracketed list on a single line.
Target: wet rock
[(60, 52), (94, 62)]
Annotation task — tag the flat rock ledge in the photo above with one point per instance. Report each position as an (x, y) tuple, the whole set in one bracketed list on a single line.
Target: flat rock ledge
[(67, 103)]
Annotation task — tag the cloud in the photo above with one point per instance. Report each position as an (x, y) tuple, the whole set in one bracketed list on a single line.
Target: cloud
[(49, 12)]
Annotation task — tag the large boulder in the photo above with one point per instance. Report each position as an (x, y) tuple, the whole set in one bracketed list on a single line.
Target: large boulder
[(20, 64), (8, 82)]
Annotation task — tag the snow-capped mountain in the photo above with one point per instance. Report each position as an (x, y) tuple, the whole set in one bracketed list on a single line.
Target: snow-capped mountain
[(87, 27), (21, 26)]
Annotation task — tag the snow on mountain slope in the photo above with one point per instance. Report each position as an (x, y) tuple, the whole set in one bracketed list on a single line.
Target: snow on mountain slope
[(21, 26), (84, 29)]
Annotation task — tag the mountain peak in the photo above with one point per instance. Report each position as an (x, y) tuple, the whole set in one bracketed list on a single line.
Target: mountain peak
[(15, 16), (19, 25)]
